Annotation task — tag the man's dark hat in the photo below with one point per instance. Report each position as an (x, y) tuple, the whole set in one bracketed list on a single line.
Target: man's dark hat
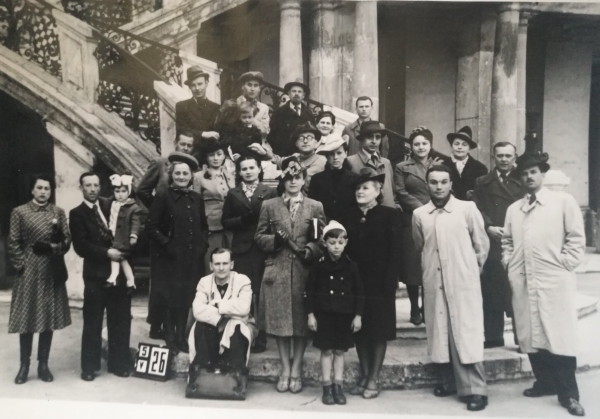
[(368, 128), (179, 157), (533, 158), (194, 72), (251, 75), (464, 133), (306, 128), (366, 174), (210, 145), (291, 84)]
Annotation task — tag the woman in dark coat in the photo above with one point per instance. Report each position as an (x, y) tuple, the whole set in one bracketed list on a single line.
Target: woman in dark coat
[(178, 234), (334, 187), (240, 215), (411, 193), (374, 243), (39, 303), (464, 168)]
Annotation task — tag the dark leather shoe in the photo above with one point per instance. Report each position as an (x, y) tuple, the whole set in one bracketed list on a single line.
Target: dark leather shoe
[(21, 377), (258, 348), (120, 373), (441, 391), (477, 402), (338, 394), (416, 319), (537, 392), (573, 407), (44, 373), (327, 397), (87, 376)]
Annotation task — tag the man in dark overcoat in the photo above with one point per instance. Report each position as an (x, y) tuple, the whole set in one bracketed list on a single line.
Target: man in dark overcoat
[(197, 114), (493, 194), (286, 118), (92, 240)]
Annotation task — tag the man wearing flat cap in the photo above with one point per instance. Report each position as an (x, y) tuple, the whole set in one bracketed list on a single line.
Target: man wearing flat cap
[(369, 155), (287, 117), (251, 82), (197, 114), (542, 244)]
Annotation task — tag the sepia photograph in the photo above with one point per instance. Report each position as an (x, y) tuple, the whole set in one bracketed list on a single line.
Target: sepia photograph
[(299, 208)]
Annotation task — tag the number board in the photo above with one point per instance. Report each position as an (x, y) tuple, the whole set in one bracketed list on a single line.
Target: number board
[(152, 361)]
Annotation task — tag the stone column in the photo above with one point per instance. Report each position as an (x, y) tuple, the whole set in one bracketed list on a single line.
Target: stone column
[(71, 159), (521, 80), (504, 76), (77, 47), (168, 95), (290, 43), (325, 57), (366, 58)]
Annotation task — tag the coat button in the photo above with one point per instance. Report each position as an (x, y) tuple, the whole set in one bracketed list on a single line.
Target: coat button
[(189, 206), (331, 292), (191, 219), (341, 278), (342, 293), (331, 277)]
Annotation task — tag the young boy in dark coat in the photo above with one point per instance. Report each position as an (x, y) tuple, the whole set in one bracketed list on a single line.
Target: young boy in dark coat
[(335, 302)]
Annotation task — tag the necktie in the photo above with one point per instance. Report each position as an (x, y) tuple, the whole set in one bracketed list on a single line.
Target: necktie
[(104, 231), (532, 199), (503, 177), (297, 108)]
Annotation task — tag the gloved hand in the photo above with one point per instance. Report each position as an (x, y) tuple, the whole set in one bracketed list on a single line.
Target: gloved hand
[(42, 248)]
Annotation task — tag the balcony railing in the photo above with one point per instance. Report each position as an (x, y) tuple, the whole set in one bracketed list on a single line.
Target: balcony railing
[(109, 12)]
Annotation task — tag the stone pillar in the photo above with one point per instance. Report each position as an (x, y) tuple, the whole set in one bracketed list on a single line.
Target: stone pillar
[(71, 159), (567, 87), (290, 43), (168, 95), (77, 47), (366, 58), (325, 57), (504, 77), (521, 81)]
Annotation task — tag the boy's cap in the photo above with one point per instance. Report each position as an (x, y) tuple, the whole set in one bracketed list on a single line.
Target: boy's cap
[(333, 225)]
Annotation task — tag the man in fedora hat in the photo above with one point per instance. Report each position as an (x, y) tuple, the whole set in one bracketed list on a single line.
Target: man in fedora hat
[(197, 114), (287, 117), (369, 138), (251, 83), (364, 107), (465, 169), (542, 243)]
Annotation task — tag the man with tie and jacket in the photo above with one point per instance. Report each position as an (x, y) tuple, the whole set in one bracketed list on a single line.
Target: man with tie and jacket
[(493, 194), (92, 240), (287, 117)]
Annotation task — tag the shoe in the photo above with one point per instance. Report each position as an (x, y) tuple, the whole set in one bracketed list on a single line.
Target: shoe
[(416, 318), (130, 291), (327, 397), (493, 344), (283, 384), (537, 392), (441, 391), (21, 377), (44, 373), (338, 394), (359, 387), (110, 284), (183, 346), (87, 376), (119, 373), (477, 402), (156, 334), (295, 384), (370, 393), (258, 348), (573, 407)]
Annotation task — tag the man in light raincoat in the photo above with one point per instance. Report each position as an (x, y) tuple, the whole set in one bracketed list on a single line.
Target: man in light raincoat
[(543, 242), (451, 237)]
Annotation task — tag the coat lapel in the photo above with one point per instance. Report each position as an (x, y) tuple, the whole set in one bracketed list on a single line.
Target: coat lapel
[(239, 194)]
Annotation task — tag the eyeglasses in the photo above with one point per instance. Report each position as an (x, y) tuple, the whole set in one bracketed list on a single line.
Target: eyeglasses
[(306, 138)]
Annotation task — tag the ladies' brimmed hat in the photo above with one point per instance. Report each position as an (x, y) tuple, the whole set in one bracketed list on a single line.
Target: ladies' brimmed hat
[(210, 145), (333, 225), (194, 72), (291, 167), (332, 143), (464, 133), (305, 129), (251, 75), (291, 84), (179, 157), (420, 130), (366, 174), (530, 159), (369, 128)]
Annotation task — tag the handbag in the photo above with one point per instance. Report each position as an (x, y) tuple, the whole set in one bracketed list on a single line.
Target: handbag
[(58, 267)]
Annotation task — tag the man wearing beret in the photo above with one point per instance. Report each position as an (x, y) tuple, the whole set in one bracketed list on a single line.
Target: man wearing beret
[(251, 83), (542, 243), (364, 107), (286, 118), (197, 114)]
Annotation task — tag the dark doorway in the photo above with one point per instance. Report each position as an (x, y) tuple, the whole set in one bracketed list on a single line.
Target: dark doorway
[(25, 148), (594, 143)]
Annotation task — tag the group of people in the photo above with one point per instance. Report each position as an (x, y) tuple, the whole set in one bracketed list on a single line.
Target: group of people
[(319, 256)]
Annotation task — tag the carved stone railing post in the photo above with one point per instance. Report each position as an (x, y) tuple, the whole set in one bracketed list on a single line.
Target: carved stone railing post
[(168, 96)]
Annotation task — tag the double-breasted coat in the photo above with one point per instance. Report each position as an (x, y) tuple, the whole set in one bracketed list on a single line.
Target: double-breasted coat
[(374, 243), (493, 197), (281, 306), (542, 244), (465, 181), (453, 246), (283, 123), (334, 189), (177, 230)]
